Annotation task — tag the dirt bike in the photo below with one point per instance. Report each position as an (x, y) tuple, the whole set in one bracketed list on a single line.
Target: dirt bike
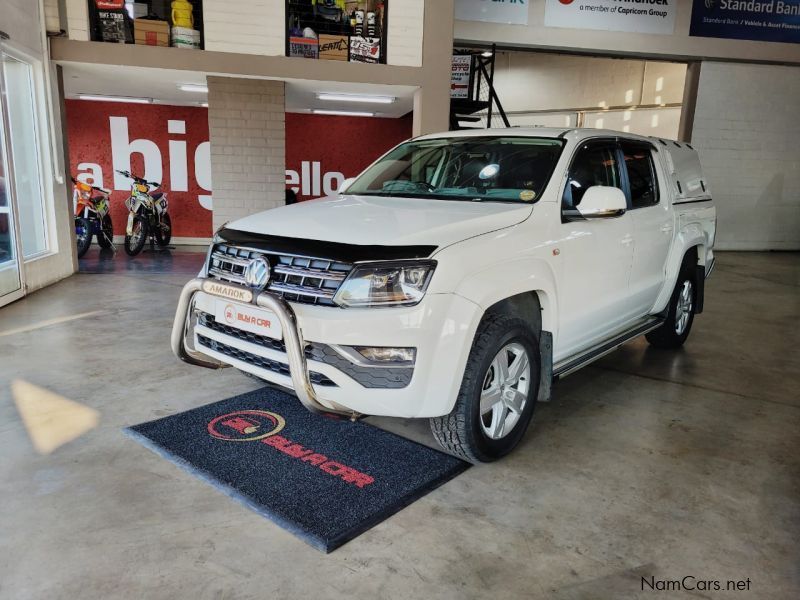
[(91, 216), (147, 217)]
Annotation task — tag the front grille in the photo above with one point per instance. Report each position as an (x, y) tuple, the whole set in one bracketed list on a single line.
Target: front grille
[(259, 361), (207, 320), (295, 278)]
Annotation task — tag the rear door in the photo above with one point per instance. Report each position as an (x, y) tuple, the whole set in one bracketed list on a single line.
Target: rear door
[(649, 210), (596, 255)]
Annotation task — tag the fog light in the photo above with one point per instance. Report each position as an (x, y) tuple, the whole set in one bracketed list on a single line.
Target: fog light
[(388, 355)]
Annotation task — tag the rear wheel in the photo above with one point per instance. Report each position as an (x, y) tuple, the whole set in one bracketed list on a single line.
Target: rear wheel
[(83, 235), (136, 240), (498, 393), (106, 232), (164, 230), (680, 314)]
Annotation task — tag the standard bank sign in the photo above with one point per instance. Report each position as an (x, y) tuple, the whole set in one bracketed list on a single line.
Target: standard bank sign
[(765, 20)]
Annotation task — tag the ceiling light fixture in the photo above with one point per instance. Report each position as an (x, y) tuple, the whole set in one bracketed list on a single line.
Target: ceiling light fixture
[(356, 98), (487, 54), (102, 98), (344, 113), (193, 87)]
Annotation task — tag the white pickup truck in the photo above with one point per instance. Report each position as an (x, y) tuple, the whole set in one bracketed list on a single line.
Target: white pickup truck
[(458, 276)]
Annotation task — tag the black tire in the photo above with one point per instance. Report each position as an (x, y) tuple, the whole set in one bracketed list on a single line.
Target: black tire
[(83, 235), (135, 243), (673, 333), (164, 230), (106, 234), (461, 432)]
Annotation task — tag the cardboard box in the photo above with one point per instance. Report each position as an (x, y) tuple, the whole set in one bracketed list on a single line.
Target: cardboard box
[(303, 47), (333, 47), (365, 49), (151, 32), (183, 37)]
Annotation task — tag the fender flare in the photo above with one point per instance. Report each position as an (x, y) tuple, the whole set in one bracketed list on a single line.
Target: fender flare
[(689, 236), (511, 278)]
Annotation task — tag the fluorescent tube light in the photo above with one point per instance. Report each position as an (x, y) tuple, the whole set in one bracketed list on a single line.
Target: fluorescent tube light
[(344, 113), (115, 98), (193, 87), (356, 98)]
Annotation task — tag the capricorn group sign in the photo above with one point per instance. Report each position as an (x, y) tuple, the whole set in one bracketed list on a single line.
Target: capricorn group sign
[(170, 144)]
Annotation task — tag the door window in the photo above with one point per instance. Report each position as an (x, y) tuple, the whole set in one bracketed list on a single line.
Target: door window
[(641, 174), (594, 164)]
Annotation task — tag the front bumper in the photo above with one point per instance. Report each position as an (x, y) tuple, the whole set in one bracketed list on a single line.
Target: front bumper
[(441, 328)]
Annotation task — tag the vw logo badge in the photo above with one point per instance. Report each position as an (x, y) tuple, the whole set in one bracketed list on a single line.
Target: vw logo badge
[(257, 273)]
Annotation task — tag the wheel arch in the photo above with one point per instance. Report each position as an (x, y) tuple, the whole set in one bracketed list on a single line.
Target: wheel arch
[(516, 286), (691, 238)]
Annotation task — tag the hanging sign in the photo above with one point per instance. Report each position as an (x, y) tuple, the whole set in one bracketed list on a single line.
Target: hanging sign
[(636, 16), (766, 21), (459, 76), (514, 12)]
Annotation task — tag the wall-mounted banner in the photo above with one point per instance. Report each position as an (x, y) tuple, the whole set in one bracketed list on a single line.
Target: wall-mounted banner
[(514, 12), (170, 144), (766, 21), (637, 16)]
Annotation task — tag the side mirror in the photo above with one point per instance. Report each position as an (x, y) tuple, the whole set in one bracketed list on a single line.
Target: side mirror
[(345, 184), (602, 202)]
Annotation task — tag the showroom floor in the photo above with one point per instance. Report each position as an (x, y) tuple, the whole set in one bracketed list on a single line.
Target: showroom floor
[(648, 463)]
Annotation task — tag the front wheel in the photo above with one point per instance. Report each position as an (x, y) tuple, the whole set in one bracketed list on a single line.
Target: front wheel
[(106, 234), (134, 243), (83, 235), (164, 230), (498, 393)]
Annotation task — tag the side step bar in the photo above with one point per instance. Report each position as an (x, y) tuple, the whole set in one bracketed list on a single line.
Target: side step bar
[(569, 365)]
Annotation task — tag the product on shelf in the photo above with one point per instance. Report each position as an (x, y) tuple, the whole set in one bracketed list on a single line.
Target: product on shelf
[(151, 32)]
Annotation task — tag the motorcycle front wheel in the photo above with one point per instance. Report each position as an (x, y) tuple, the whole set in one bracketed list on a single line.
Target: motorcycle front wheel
[(106, 233), (164, 230), (134, 243), (83, 235)]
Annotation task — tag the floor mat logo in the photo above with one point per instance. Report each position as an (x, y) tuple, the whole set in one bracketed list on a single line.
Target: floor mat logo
[(263, 426), (246, 425)]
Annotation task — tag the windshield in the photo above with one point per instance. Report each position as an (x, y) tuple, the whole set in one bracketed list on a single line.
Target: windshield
[(506, 169)]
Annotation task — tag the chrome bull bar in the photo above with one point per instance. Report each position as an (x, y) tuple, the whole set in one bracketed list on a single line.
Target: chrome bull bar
[(292, 338)]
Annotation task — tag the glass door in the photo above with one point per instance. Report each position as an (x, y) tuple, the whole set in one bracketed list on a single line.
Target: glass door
[(10, 272)]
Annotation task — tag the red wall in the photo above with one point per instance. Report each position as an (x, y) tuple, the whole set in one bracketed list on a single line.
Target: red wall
[(89, 139), (343, 144), (333, 147)]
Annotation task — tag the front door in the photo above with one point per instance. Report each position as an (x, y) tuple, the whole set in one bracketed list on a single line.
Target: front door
[(596, 256)]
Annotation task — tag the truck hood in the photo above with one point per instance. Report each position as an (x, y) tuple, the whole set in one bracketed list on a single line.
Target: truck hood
[(370, 220)]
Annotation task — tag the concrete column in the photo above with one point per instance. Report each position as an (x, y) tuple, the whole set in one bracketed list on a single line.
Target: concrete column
[(247, 130), (432, 100)]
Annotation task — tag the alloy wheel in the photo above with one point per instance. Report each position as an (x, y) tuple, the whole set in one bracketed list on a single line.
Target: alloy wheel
[(683, 310), (505, 389)]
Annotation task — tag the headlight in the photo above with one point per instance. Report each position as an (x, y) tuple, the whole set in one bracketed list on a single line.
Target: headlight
[(385, 284)]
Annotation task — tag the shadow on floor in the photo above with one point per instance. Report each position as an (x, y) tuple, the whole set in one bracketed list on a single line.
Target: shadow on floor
[(152, 260)]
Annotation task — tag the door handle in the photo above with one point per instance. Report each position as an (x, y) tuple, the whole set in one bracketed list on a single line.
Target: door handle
[(627, 240), (666, 228)]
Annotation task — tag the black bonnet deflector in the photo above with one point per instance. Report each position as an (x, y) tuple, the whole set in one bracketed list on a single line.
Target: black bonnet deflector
[(320, 249)]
